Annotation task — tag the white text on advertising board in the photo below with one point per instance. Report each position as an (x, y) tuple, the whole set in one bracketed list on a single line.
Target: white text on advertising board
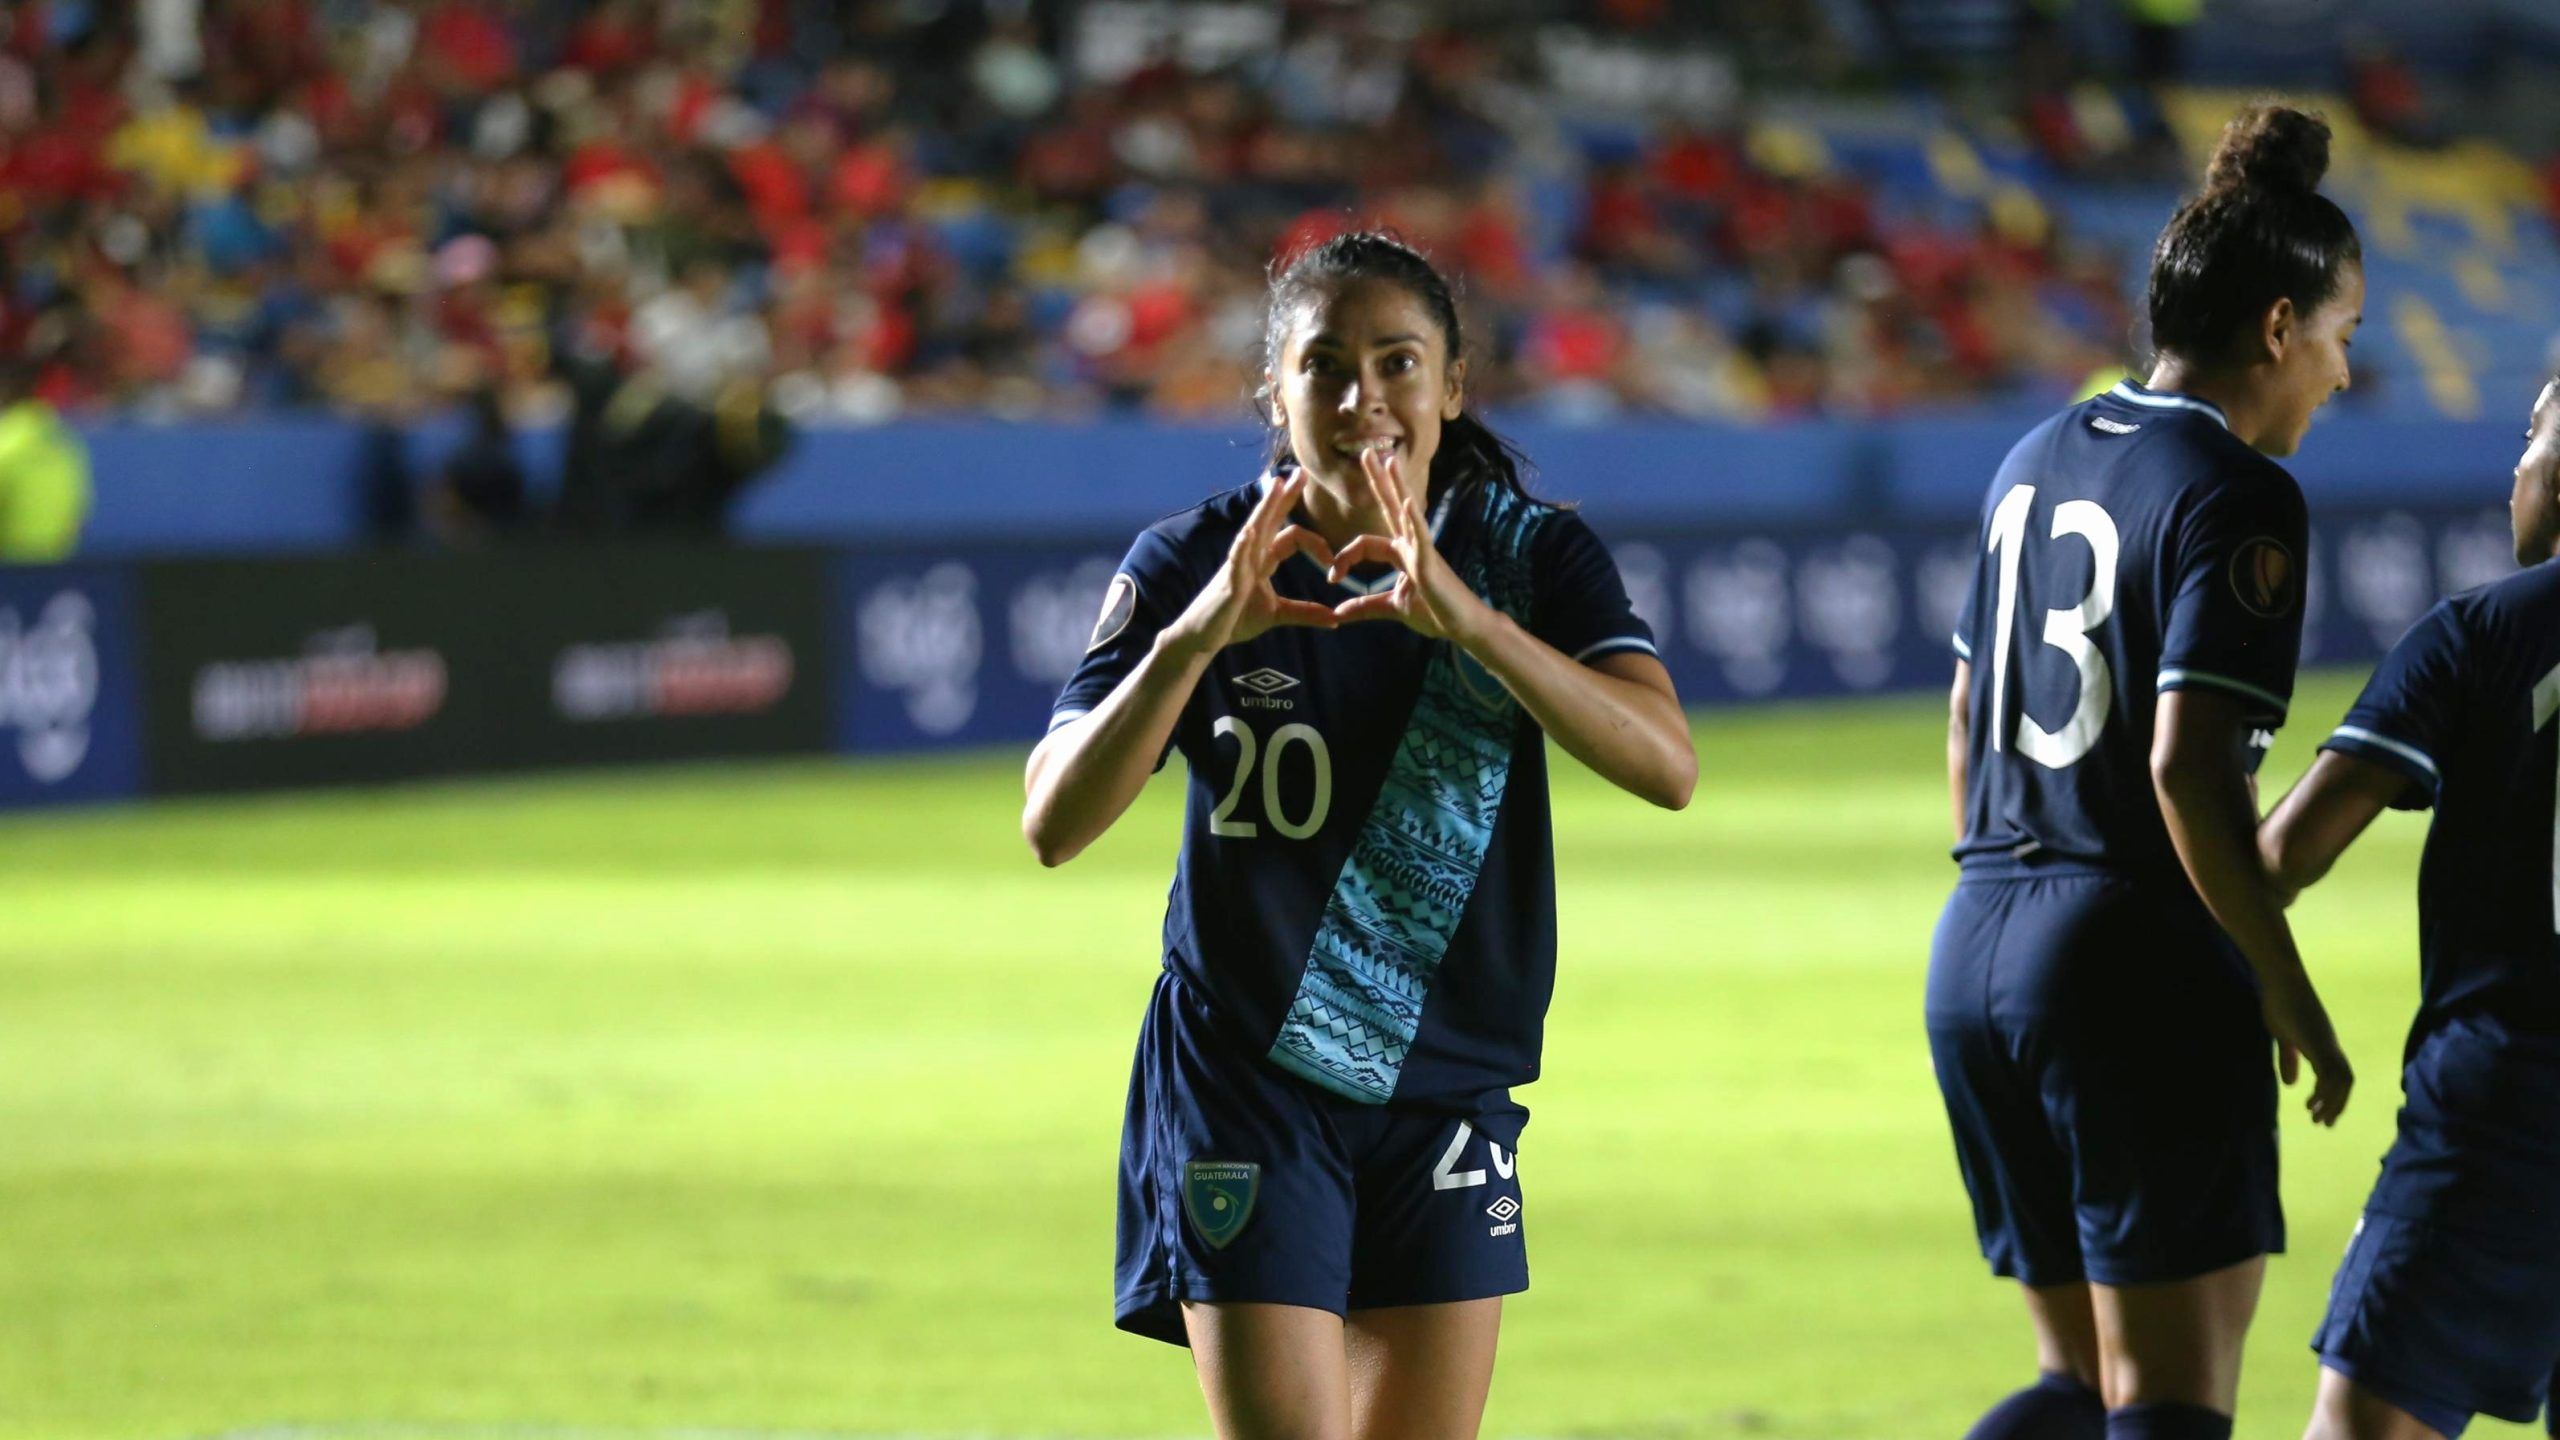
[(49, 684)]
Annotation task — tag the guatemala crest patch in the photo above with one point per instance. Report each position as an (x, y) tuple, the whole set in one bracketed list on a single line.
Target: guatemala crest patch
[(1218, 1196)]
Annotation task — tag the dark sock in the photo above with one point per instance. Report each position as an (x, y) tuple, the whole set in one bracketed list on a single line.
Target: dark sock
[(2056, 1407), (2167, 1422)]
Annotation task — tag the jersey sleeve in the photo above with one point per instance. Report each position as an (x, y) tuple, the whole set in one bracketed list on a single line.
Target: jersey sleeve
[(1150, 588), (1582, 607), (2235, 586), (2405, 717)]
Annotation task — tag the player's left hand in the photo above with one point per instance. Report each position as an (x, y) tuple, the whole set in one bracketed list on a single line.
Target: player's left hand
[(1428, 596)]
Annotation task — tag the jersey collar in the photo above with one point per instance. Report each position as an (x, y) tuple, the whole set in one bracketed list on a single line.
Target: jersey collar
[(1439, 523), (2133, 394)]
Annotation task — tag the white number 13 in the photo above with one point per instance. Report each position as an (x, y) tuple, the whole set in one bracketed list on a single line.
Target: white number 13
[(2064, 630)]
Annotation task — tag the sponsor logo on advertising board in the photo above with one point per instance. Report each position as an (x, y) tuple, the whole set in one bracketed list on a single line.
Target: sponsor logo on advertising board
[(694, 666), (344, 683)]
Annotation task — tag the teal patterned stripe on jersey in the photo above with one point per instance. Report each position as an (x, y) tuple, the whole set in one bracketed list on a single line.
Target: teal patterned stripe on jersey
[(1413, 868)]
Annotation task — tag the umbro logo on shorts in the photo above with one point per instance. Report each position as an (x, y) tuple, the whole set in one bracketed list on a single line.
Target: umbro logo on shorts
[(1506, 1213)]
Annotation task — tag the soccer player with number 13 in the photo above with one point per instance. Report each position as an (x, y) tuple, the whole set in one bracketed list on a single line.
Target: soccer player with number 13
[(2106, 977)]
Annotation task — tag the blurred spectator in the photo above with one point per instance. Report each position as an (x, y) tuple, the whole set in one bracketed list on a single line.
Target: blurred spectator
[(376, 206), (646, 461), (480, 495)]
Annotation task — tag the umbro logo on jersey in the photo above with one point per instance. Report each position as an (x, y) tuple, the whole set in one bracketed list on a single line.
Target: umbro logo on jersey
[(1263, 689), (2112, 427)]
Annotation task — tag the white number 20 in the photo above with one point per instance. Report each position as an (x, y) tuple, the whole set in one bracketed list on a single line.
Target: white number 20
[(2065, 630), (1222, 821)]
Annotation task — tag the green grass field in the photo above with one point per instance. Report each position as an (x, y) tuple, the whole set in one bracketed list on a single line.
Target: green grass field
[(786, 1098)]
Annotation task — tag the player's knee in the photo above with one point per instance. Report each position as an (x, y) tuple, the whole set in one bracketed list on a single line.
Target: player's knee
[(2345, 1410), (2168, 1421), (2056, 1407)]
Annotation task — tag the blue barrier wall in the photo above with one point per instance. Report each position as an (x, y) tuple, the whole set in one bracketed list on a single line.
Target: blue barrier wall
[(283, 485), (177, 675)]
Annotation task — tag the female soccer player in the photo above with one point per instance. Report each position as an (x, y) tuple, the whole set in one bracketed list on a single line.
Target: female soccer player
[(1318, 1177), (2105, 978), (2447, 1304)]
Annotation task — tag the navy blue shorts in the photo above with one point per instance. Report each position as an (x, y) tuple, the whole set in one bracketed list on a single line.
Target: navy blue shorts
[(1240, 1182), (2111, 1086), (2446, 1323)]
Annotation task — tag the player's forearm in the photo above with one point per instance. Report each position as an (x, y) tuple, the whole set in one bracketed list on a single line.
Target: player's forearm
[(1084, 776), (2204, 799), (2321, 816), (1628, 733), (2296, 856)]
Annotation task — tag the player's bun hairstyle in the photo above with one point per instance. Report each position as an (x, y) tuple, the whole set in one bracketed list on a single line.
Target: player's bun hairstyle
[(1469, 450), (2260, 232)]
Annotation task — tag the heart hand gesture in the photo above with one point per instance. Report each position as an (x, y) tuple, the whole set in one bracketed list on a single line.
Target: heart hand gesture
[(1239, 602), (1428, 596)]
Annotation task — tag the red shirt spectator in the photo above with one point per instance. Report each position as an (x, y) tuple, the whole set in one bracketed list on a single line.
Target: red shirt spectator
[(1573, 342), (870, 178), (611, 39), (1696, 168), (775, 189), (470, 47)]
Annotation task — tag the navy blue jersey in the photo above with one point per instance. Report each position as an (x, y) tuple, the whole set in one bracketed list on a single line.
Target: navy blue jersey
[(1289, 738), (2130, 545), (2466, 707)]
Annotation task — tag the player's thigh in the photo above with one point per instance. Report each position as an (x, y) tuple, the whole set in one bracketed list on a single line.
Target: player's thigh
[(2066, 1326), (1421, 1372), (2016, 1171), (1271, 1372), (2446, 1322), (1233, 1189), (1439, 1211), (2155, 1071), (2346, 1410), (2177, 1342)]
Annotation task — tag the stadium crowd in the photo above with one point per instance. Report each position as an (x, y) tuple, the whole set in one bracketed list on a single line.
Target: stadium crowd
[(378, 206)]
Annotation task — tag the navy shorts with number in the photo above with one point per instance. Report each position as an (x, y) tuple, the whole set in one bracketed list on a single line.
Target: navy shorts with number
[(2108, 1078), (1240, 1182)]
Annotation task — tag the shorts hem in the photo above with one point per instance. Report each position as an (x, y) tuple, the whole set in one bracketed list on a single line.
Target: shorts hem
[(2171, 1272), (2441, 1416), (2037, 1277), (1155, 1311), (1441, 1295)]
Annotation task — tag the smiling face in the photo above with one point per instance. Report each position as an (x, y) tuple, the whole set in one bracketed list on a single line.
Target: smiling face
[(2313, 366), (2534, 510), (1363, 363)]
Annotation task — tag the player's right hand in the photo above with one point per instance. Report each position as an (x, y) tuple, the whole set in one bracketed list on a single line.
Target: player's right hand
[(2300, 1024), (1239, 602)]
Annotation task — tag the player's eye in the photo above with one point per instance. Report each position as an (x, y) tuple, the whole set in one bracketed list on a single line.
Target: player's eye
[(1400, 363)]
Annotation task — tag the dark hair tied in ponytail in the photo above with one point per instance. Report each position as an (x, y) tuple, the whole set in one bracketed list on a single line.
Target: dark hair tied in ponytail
[(1469, 450), (2260, 232)]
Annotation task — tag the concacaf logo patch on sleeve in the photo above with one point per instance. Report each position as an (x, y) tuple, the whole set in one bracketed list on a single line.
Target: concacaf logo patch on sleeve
[(2265, 577), (1218, 1197), (1118, 604)]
